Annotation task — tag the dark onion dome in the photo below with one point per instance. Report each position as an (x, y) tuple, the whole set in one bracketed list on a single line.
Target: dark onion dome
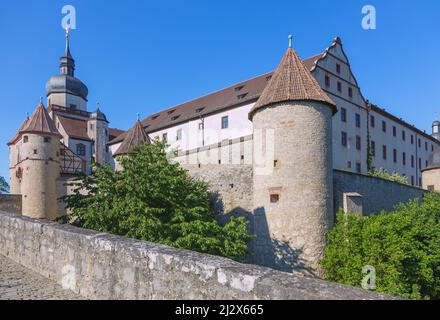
[(66, 84), (433, 160), (135, 137), (66, 81), (292, 81), (98, 115)]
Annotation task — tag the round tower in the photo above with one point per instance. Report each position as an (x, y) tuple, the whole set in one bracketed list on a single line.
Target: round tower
[(98, 131), (436, 129), (293, 170), (40, 147), (431, 174), (134, 137)]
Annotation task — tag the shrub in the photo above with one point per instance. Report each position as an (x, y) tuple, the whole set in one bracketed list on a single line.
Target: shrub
[(382, 173), (155, 200), (403, 246), (4, 186)]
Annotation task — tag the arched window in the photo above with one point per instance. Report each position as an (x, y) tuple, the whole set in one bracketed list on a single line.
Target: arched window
[(80, 149)]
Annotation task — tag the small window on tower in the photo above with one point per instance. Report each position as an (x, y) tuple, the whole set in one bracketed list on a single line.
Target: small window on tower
[(47, 139), (274, 198), (25, 139)]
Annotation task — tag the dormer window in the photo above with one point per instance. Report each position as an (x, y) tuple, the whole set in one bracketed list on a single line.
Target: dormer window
[(268, 78), (241, 96), (171, 111), (238, 88), (155, 116), (175, 117), (198, 110)]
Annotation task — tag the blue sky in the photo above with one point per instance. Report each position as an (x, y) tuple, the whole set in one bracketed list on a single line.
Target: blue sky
[(142, 56)]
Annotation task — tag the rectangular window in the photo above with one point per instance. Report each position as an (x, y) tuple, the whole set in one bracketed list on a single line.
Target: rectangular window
[(426, 163), (80, 149), (358, 120), (403, 135), (404, 159), (373, 148), (225, 122), (426, 146), (412, 180), (358, 142), (420, 143), (327, 81), (339, 86), (350, 92), (384, 126), (432, 148), (165, 137), (412, 139), (372, 121), (349, 164), (412, 161), (394, 155), (343, 115), (394, 131), (358, 167), (201, 126), (25, 139), (47, 139), (384, 152), (338, 68), (344, 138), (420, 163), (179, 135)]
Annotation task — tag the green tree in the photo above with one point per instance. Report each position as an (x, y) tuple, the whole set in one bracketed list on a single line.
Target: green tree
[(383, 174), (4, 186), (403, 246), (155, 200)]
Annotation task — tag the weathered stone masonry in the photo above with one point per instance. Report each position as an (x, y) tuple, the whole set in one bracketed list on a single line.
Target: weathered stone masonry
[(103, 266)]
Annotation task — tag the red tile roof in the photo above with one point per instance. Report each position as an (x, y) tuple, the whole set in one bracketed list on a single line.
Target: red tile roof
[(135, 137), (240, 93), (75, 128), (17, 134), (292, 81), (41, 122)]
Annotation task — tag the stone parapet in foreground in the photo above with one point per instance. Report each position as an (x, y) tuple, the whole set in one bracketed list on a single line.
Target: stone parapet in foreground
[(103, 266)]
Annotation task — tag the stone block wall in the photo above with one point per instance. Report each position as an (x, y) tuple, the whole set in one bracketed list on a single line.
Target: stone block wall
[(231, 186), (377, 194), (103, 266), (11, 203)]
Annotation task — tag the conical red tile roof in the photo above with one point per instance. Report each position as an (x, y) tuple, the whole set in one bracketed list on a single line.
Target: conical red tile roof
[(41, 122), (135, 137), (292, 81), (17, 134)]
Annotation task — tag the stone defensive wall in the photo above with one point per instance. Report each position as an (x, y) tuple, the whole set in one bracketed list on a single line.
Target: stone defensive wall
[(367, 195), (10, 203), (103, 266)]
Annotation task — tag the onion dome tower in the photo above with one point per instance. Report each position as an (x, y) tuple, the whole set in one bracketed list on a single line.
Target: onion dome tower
[(436, 129), (40, 147), (135, 137), (293, 170), (64, 89)]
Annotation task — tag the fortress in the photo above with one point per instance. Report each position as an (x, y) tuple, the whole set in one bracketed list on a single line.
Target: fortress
[(286, 149)]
